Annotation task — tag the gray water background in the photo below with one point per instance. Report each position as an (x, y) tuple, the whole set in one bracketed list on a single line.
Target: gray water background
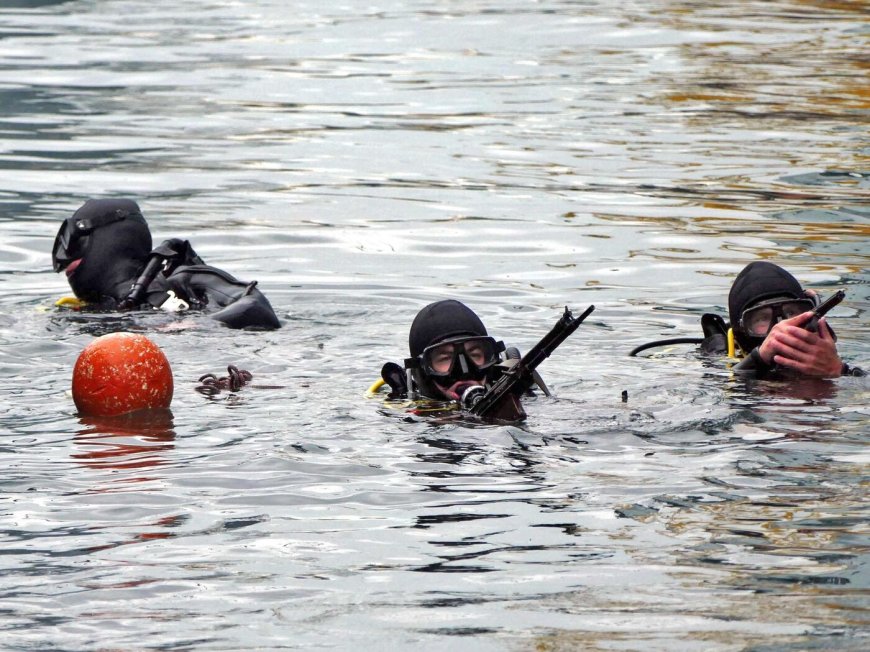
[(359, 160)]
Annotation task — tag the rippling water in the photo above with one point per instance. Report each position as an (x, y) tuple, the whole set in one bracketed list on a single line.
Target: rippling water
[(360, 160)]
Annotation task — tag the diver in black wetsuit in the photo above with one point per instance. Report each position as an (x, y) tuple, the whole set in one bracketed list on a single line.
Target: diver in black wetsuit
[(452, 356), (768, 311), (450, 352), (105, 249)]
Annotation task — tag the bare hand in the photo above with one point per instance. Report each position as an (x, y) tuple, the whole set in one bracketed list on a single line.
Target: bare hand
[(791, 346)]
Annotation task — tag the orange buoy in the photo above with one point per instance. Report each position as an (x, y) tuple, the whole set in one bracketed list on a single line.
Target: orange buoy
[(120, 373)]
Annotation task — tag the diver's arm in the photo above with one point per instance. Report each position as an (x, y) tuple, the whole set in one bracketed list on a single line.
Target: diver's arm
[(253, 310), (753, 363), (236, 303), (791, 346)]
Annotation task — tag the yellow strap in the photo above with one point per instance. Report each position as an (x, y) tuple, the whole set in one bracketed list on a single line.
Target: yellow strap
[(733, 351), (371, 391), (70, 302)]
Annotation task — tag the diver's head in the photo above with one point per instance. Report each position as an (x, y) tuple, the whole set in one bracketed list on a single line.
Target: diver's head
[(762, 295), (102, 247), (450, 349)]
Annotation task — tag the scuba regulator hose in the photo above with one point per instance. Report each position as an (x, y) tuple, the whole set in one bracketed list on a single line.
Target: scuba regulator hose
[(375, 387), (657, 343), (148, 275)]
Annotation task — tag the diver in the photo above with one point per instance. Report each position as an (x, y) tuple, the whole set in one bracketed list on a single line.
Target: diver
[(772, 328), (451, 354), (105, 250)]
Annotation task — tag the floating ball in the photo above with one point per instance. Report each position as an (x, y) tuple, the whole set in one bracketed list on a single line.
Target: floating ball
[(120, 373)]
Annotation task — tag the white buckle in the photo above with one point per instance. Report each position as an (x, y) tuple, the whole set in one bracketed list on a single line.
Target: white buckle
[(174, 303)]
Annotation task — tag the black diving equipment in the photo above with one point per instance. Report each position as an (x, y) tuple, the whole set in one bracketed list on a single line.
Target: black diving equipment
[(472, 396), (460, 357), (501, 401), (452, 360), (394, 376), (714, 327), (166, 258), (69, 243), (137, 291), (757, 320), (105, 251)]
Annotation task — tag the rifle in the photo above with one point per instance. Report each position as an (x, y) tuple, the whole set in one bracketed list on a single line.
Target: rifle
[(501, 402)]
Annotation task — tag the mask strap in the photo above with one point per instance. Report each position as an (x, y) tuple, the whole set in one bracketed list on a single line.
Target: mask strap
[(89, 224)]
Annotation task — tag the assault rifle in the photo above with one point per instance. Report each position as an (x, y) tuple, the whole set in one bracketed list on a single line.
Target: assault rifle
[(501, 402)]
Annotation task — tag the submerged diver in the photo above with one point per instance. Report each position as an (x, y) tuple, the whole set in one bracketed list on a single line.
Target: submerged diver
[(105, 249), (770, 327)]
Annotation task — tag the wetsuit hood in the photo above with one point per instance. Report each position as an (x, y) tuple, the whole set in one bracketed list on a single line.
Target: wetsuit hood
[(111, 241), (758, 281), (440, 321), (435, 323)]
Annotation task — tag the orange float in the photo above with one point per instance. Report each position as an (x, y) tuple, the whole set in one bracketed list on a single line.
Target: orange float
[(120, 373)]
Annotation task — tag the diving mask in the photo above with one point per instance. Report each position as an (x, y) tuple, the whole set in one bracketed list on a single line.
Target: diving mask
[(71, 240), (760, 318), (460, 357)]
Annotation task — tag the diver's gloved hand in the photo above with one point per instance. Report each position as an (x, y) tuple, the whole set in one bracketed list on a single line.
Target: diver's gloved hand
[(791, 346)]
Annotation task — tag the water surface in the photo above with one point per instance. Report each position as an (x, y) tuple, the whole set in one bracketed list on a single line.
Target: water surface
[(360, 160)]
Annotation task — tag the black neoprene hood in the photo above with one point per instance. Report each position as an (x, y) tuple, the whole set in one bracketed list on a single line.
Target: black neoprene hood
[(442, 320), (759, 281), (114, 248)]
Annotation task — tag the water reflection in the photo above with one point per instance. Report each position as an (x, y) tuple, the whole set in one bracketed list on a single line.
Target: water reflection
[(138, 440), (361, 162), (808, 391)]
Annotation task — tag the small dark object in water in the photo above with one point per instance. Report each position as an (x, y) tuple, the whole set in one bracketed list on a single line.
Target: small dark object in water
[(625, 396), (211, 384)]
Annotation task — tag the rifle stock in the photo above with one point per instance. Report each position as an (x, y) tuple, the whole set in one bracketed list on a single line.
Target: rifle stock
[(502, 401)]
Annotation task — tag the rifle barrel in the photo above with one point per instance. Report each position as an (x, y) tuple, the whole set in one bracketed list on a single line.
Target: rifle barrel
[(518, 378)]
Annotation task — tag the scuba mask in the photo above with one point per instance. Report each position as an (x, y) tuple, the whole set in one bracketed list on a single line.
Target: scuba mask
[(448, 344), (757, 321), (455, 359), (460, 358)]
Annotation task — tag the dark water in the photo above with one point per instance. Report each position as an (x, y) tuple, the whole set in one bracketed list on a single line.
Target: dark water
[(360, 160)]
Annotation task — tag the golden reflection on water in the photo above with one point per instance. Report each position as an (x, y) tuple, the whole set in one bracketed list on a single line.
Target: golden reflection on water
[(788, 85), (777, 568), (757, 572), (743, 72)]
